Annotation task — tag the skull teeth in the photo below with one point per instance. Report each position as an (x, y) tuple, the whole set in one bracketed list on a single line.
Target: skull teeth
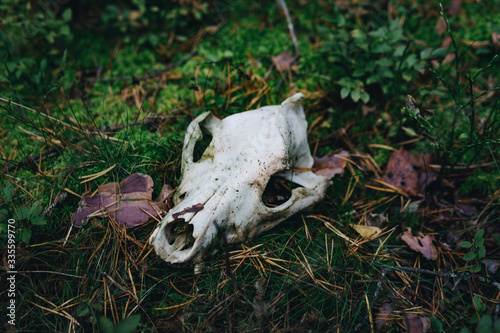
[(179, 234), (180, 242)]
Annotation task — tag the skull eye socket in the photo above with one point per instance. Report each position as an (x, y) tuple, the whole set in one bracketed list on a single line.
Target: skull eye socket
[(278, 191), (179, 234), (201, 145)]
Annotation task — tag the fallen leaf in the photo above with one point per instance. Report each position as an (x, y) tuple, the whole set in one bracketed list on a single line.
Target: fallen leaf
[(384, 316), (492, 266), (405, 169), (283, 61), (421, 243), (367, 231), (165, 192), (331, 164), (165, 196), (129, 202), (377, 220), (173, 325), (416, 324)]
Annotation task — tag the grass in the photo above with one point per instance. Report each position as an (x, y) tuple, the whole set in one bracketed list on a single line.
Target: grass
[(105, 110)]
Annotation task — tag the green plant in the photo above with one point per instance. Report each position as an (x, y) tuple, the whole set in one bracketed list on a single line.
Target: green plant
[(481, 182), (478, 251), (127, 325), (485, 322), (468, 130), (25, 216), (370, 58), (40, 30)]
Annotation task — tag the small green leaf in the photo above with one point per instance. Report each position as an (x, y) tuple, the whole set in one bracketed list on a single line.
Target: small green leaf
[(481, 252), (465, 245), (356, 94), (496, 326), (469, 256), (8, 191), (65, 30), (67, 14), (63, 60), (3, 213), (474, 319), (479, 304), (38, 220), (344, 92), (26, 236), (129, 324), (36, 208), (359, 72), (425, 53), (82, 310), (365, 97), (475, 268), (22, 213), (106, 325), (436, 323), (43, 64), (485, 324), (479, 235)]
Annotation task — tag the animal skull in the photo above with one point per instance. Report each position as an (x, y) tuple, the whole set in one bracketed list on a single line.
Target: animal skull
[(222, 191)]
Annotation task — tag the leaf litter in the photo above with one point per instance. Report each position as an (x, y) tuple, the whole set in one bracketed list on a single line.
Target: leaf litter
[(128, 202), (421, 243)]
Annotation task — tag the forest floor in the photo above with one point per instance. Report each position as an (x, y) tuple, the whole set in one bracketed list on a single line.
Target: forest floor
[(402, 103)]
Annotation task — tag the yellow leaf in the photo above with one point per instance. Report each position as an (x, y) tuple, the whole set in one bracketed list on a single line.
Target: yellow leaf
[(367, 231)]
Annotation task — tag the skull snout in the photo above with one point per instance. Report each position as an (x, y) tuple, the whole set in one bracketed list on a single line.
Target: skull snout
[(179, 234)]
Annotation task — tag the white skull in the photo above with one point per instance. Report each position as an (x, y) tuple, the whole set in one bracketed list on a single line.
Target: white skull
[(222, 191)]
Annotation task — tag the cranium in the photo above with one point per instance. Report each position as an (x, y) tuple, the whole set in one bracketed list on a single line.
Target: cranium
[(222, 191)]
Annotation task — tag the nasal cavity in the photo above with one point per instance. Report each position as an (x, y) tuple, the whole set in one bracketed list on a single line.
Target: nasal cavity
[(278, 191), (179, 234), (201, 145)]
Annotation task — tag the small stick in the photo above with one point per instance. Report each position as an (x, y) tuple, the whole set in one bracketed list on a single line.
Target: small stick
[(290, 26)]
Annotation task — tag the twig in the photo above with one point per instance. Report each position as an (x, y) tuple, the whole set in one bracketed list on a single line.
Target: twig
[(464, 275), (283, 6), (147, 76)]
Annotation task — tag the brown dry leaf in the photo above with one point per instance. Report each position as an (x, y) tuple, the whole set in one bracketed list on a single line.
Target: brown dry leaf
[(367, 231), (128, 202), (283, 61), (331, 164), (383, 317), (173, 325), (165, 196), (377, 220), (416, 324), (421, 243), (405, 169)]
